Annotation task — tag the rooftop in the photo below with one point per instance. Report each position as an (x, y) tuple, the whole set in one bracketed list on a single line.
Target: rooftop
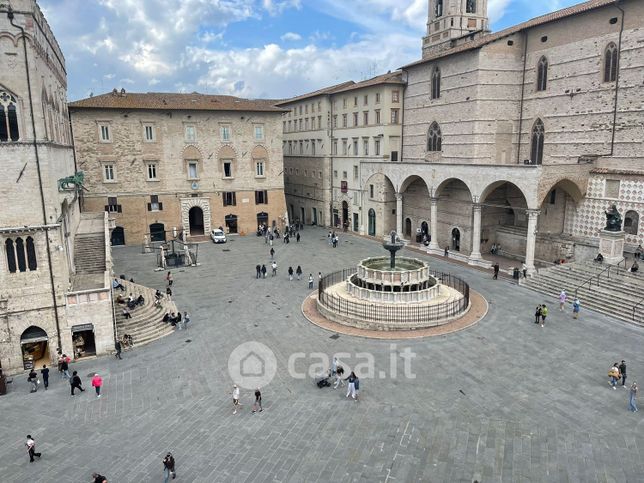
[(319, 92)]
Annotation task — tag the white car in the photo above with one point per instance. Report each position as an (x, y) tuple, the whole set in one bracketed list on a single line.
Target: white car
[(218, 236)]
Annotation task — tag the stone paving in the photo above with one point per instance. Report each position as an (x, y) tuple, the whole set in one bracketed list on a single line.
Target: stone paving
[(504, 400)]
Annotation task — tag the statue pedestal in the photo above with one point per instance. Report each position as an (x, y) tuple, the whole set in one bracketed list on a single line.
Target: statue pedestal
[(611, 246)]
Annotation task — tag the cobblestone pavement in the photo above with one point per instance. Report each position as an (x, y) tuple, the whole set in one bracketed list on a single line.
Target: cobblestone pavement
[(505, 400)]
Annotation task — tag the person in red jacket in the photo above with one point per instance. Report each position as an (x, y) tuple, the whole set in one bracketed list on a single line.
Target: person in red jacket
[(97, 382)]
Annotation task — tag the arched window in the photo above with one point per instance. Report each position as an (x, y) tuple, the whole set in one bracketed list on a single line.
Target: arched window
[(542, 74), (631, 222), (20, 255), (32, 263), (434, 137), (536, 145), (8, 118), (11, 255), (439, 8), (470, 6), (436, 83), (610, 63)]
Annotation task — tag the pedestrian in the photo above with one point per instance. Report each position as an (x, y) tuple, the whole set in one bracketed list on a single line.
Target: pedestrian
[(31, 448), (258, 401), (99, 478), (32, 378), (274, 268), (169, 279), (496, 271), (270, 240), (60, 364), (235, 398), (613, 375), (117, 346), (446, 251), (310, 280), (290, 273), (186, 319), (76, 382), (297, 237), (339, 372), (168, 468), (97, 383), (632, 397), (334, 366), (264, 271), (319, 278), (524, 269), (562, 300), (544, 314), (537, 314), (576, 307), (298, 272), (45, 376), (272, 252), (356, 385), (168, 293), (330, 241), (622, 372), (351, 388), (335, 241), (258, 270), (126, 312)]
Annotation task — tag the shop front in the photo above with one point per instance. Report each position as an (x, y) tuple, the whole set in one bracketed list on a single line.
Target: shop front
[(83, 340), (35, 347)]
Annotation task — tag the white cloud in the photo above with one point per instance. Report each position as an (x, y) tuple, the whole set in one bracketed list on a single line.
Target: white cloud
[(291, 37), (496, 10), (276, 7)]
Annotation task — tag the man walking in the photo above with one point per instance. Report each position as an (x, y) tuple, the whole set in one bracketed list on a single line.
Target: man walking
[(297, 237), (33, 379), (622, 372), (310, 280), (496, 271), (168, 468), (76, 382), (45, 376), (64, 367), (339, 372), (632, 397), (298, 272), (235, 398), (258, 401), (258, 270), (272, 252), (544, 314), (290, 273), (97, 383), (117, 346), (576, 307), (562, 300), (186, 319), (263, 271), (274, 267), (31, 448)]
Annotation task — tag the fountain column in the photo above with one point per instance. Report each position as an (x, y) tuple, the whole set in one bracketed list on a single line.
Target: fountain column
[(399, 213), (434, 224), (531, 240), (476, 232)]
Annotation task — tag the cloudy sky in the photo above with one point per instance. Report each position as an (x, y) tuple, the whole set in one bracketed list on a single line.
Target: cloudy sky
[(249, 48)]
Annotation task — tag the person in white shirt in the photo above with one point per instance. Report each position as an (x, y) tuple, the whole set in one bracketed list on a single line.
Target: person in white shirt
[(235, 398)]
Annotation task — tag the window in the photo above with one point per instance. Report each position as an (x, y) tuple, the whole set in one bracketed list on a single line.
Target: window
[(335, 147), (434, 138), (319, 122), (335, 173), (610, 63), (470, 6), (192, 170), (394, 156), (148, 133), (611, 188), (436, 83), (229, 198), (301, 147), (109, 173), (395, 116), (319, 106), (228, 168), (313, 147), (355, 119), (376, 147), (553, 197), (335, 120), (261, 197), (104, 133), (306, 124), (366, 100), (224, 131), (631, 222), (259, 132), (154, 204), (21, 254), (377, 97), (301, 125), (300, 110), (377, 116), (259, 168), (536, 145), (365, 118), (438, 11), (355, 171), (370, 191), (306, 172), (395, 96), (190, 133), (542, 74), (344, 175), (355, 101), (344, 103), (152, 172), (112, 205), (355, 147), (284, 126), (344, 147), (365, 147), (306, 109), (8, 118), (344, 120)]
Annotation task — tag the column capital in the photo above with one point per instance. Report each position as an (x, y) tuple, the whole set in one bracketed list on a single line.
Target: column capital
[(398, 195), (476, 206), (532, 213), (433, 199)]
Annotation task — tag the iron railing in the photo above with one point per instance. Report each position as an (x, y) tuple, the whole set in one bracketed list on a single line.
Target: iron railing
[(429, 315), (596, 276)]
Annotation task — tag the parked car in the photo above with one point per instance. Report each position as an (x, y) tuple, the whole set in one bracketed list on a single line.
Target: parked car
[(218, 236)]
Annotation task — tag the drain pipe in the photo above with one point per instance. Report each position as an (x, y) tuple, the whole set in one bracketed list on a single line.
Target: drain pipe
[(10, 16), (525, 60)]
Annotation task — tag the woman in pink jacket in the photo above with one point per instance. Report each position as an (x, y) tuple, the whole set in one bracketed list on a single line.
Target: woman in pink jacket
[(97, 382)]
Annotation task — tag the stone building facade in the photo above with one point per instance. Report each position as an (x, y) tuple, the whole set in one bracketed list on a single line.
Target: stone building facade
[(162, 164), (328, 134), (521, 137), (40, 218)]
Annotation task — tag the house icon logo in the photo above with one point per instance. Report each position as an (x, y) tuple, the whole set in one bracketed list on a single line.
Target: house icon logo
[(251, 365)]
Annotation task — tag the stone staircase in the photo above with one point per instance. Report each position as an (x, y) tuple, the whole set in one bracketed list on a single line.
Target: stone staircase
[(146, 324), (613, 292), (89, 253)]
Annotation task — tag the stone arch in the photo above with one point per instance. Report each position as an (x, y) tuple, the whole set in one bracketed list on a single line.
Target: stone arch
[(12, 38), (189, 203), (382, 201), (445, 184), (489, 189), (631, 222), (568, 185), (415, 203), (227, 151), (257, 155), (192, 152)]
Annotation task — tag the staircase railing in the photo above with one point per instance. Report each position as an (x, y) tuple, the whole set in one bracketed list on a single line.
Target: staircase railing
[(598, 275), (639, 304)]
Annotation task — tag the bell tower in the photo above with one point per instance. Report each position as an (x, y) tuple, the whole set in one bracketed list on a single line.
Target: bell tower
[(452, 19)]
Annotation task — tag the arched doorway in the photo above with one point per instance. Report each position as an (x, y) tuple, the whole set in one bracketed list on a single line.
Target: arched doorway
[(118, 236), (456, 239), (345, 215), (231, 223), (157, 232), (262, 219), (372, 222), (195, 218), (35, 347), (408, 228), (631, 222)]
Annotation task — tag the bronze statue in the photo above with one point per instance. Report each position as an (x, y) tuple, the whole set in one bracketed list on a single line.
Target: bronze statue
[(613, 219)]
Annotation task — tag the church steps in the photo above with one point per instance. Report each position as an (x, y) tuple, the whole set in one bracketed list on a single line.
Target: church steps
[(89, 253)]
